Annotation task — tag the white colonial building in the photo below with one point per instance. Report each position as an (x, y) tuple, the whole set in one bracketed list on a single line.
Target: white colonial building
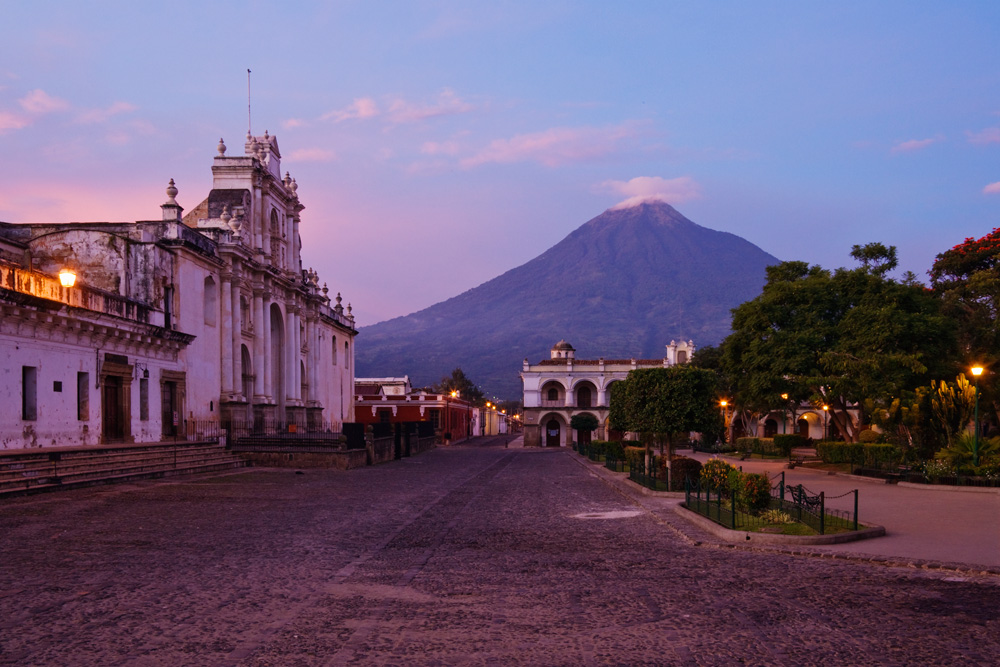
[(562, 386), (173, 324)]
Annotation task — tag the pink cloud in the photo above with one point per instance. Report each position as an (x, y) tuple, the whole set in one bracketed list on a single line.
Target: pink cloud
[(311, 155), (653, 188), (362, 107), (440, 148), (10, 121), (914, 145), (992, 189), (293, 122), (101, 115), (990, 135), (448, 104), (38, 101), (553, 147)]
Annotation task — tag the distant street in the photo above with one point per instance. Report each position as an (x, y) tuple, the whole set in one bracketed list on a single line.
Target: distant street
[(472, 554)]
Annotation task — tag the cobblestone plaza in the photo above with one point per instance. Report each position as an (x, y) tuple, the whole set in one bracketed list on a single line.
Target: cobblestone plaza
[(473, 554)]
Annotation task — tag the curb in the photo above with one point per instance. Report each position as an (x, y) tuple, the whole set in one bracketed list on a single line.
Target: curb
[(741, 536)]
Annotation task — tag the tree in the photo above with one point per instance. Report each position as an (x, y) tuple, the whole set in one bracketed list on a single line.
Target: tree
[(657, 402), (584, 423), (967, 278), (836, 338), (463, 385)]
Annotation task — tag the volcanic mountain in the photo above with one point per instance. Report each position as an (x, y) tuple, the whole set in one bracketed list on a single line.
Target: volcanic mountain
[(623, 285)]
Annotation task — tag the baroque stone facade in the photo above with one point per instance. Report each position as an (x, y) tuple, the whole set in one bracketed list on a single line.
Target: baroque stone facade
[(562, 386), (173, 324)]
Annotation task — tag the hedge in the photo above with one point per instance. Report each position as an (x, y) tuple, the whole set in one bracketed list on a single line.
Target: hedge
[(762, 446), (682, 468), (867, 455), (786, 443)]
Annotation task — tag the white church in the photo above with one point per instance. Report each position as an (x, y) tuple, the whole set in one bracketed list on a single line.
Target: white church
[(140, 331)]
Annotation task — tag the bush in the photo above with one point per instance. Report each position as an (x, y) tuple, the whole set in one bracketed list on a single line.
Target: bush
[(614, 450), (786, 443), (752, 492), (868, 436), (874, 455), (761, 446), (635, 456), (682, 468), (715, 475)]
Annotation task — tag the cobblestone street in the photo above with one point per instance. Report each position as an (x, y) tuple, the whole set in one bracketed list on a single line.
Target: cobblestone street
[(473, 554)]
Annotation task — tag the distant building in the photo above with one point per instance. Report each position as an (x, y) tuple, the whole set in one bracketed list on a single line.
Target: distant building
[(562, 386), (450, 417), (172, 324)]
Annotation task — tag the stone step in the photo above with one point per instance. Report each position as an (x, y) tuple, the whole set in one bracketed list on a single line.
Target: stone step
[(30, 472)]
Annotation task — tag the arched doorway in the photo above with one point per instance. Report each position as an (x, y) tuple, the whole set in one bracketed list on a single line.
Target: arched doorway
[(278, 360), (802, 427), (770, 428), (586, 393), (552, 432)]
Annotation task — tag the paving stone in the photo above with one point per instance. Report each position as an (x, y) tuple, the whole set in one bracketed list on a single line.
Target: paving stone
[(473, 554)]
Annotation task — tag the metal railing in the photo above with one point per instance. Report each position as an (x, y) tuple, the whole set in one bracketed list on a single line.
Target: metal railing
[(798, 502)]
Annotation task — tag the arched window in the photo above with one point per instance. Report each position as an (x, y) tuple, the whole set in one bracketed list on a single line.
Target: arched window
[(277, 248), (247, 372), (335, 351), (682, 356), (211, 299), (347, 355), (553, 394)]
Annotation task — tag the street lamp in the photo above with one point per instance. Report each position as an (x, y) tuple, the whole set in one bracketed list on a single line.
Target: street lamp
[(784, 414), (67, 278), (976, 372), (725, 421), (826, 412)]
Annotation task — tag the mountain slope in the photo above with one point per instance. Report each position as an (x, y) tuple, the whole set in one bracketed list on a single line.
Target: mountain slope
[(622, 285)]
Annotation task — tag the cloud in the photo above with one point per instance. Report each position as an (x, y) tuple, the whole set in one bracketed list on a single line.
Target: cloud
[(448, 104), (440, 148), (12, 121), (362, 107), (38, 101), (914, 145), (990, 135), (293, 122), (311, 155), (992, 189), (653, 188), (553, 147), (101, 115)]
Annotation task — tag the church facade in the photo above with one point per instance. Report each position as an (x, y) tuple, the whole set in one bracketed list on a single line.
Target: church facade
[(173, 325), (562, 386)]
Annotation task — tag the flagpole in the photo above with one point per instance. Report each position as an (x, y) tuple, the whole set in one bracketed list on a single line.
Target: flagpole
[(249, 123)]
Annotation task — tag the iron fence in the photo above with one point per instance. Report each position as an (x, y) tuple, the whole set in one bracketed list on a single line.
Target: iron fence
[(796, 501)]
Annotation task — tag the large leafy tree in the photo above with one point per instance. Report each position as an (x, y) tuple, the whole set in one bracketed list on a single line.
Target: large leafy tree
[(658, 402), (967, 278), (838, 338), (457, 381)]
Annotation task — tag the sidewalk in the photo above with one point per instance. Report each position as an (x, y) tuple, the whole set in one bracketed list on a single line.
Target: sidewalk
[(947, 527)]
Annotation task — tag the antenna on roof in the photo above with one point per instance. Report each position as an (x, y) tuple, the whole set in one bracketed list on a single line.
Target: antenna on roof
[(249, 123)]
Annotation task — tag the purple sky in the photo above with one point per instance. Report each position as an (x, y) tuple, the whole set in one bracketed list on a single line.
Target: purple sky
[(439, 144)]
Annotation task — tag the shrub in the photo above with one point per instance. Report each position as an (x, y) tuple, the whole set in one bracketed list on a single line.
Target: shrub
[(715, 475), (776, 516), (869, 436), (682, 468), (614, 450), (635, 456), (937, 468), (873, 455), (752, 492), (786, 443)]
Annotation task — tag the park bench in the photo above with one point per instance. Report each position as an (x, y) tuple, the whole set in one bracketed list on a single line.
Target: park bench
[(800, 497)]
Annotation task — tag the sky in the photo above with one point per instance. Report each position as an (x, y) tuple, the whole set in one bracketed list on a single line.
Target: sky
[(437, 145)]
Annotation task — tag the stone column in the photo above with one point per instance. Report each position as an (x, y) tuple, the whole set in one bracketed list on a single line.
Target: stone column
[(225, 338), (294, 354), (237, 339), (268, 350), (258, 344)]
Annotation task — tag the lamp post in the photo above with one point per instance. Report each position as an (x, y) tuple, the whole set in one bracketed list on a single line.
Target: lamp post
[(67, 278), (976, 372), (725, 421), (826, 412), (784, 414)]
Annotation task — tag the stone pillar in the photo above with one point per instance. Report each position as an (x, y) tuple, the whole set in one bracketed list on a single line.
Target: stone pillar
[(268, 351), (237, 340), (294, 355), (258, 345), (225, 339)]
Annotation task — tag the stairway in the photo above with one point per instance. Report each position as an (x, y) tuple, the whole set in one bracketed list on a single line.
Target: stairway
[(27, 471)]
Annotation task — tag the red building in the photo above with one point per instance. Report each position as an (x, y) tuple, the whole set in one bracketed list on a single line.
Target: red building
[(451, 416)]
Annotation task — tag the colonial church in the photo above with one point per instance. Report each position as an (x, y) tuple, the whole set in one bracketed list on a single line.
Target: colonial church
[(132, 332)]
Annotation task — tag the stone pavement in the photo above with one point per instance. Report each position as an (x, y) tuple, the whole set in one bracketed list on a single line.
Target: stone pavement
[(473, 554)]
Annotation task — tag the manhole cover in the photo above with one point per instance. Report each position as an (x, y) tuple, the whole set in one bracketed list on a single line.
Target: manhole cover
[(613, 514)]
